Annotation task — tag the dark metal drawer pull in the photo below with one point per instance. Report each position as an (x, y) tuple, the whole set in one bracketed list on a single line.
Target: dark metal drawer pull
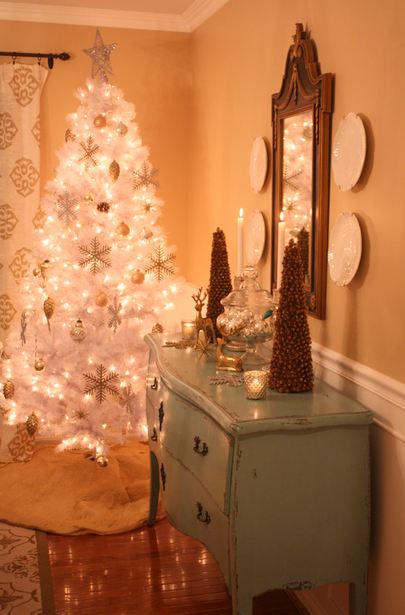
[(161, 415), (203, 516), (154, 386), (154, 435), (196, 448), (163, 476)]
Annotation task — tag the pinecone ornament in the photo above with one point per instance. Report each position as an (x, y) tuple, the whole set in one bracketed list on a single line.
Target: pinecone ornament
[(291, 364), (8, 389), (32, 424), (220, 278)]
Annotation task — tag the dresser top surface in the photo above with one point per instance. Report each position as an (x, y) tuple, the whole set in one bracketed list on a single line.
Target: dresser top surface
[(189, 376)]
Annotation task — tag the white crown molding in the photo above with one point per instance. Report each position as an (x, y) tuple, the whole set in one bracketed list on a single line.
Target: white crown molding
[(381, 394), (198, 12)]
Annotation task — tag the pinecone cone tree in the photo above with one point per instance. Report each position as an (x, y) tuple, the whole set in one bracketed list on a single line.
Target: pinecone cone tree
[(220, 278), (291, 363), (303, 246)]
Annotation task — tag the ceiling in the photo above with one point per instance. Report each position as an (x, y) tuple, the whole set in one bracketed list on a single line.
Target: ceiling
[(172, 15)]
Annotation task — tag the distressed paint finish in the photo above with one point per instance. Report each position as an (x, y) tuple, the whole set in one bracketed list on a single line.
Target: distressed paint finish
[(281, 498)]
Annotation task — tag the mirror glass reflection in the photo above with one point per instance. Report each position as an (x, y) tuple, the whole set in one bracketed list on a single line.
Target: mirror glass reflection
[(297, 184)]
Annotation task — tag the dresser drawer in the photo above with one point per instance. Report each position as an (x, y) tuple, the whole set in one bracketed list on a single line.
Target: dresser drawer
[(192, 510), (198, 442)]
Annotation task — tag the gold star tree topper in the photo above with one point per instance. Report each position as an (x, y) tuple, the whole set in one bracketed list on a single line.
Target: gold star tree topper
[(100, 57)]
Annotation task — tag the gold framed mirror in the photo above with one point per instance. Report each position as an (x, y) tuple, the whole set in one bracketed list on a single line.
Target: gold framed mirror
[(301, 117)]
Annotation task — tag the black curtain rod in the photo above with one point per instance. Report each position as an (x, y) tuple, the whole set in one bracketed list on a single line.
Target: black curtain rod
[(51, 56)]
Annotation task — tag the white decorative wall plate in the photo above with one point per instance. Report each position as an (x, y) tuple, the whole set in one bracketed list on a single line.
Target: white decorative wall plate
[(344, 251), (255, 237), (258, 166), (349, 151)]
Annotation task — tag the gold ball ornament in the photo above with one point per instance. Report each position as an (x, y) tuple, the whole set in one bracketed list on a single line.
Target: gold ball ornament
[(137, 277), (8, 389), (101, 299), (102, 461), (122, 229), (157, 328), (114, 170), (122, 129), (99, 121), (39, 364), (32, 424), (78, 332), (146, 234)]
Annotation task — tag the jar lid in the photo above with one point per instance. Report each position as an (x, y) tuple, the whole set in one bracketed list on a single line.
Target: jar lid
[(250, 294)]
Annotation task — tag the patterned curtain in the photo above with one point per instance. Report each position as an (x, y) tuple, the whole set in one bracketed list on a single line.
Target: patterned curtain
[(20, 212)]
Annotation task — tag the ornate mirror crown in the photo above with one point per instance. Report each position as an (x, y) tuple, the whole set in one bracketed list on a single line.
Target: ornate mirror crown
[(301, 115)]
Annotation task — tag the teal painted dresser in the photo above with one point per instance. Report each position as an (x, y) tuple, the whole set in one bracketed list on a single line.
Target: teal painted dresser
[(277, 489)]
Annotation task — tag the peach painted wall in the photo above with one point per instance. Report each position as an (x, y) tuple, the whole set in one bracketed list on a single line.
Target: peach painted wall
[(153, 71), (238, 61)]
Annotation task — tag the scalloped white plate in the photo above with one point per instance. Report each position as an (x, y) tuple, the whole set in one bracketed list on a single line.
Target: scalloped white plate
[(255, 237), (258, 166), (344, 251), (349, 151)]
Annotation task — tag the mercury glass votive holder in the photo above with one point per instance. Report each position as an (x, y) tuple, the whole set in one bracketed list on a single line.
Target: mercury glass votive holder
[(188, 329), (256, 383)]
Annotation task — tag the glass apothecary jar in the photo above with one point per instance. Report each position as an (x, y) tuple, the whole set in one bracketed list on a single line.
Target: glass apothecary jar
[(247, 319)]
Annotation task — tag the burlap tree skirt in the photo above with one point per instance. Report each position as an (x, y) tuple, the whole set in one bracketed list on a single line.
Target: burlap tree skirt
[(66, 493)]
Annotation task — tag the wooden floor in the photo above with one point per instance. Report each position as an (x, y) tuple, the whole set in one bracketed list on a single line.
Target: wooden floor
[(153, 570)]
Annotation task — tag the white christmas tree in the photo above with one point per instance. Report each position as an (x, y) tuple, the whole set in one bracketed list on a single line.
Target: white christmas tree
[(77, 363)]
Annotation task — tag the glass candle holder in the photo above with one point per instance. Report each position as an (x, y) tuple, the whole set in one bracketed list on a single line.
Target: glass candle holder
[(188, 329), (256, 382)]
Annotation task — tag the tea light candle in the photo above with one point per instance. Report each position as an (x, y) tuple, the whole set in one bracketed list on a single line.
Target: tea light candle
[(188, 329), (256, 382)]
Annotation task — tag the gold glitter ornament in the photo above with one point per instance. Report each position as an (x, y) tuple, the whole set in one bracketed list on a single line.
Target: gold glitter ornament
[(122, 229), (8, 389), (114, 170), (69, 135), (157, 328), (103, 206), (89, 197), (122, 129), (39, 364), (101, 299), (78, 332), (32, 424), (102, 461), (99, 121), (137, 277)]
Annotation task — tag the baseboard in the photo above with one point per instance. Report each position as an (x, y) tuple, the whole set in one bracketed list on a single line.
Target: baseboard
[(376, 391)]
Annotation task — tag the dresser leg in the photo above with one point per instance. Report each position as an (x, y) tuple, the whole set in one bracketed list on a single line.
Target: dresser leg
[(358, 598), (154, 488)]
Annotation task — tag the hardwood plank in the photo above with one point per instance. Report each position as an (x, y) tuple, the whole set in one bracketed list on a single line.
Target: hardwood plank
[(150, 571)]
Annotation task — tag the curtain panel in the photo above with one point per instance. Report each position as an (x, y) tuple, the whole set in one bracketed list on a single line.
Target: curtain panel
[(20, 212)]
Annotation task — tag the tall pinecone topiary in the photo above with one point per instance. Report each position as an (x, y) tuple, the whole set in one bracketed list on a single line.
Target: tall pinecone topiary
[(291, 363), (220, 278), (303, 246)]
